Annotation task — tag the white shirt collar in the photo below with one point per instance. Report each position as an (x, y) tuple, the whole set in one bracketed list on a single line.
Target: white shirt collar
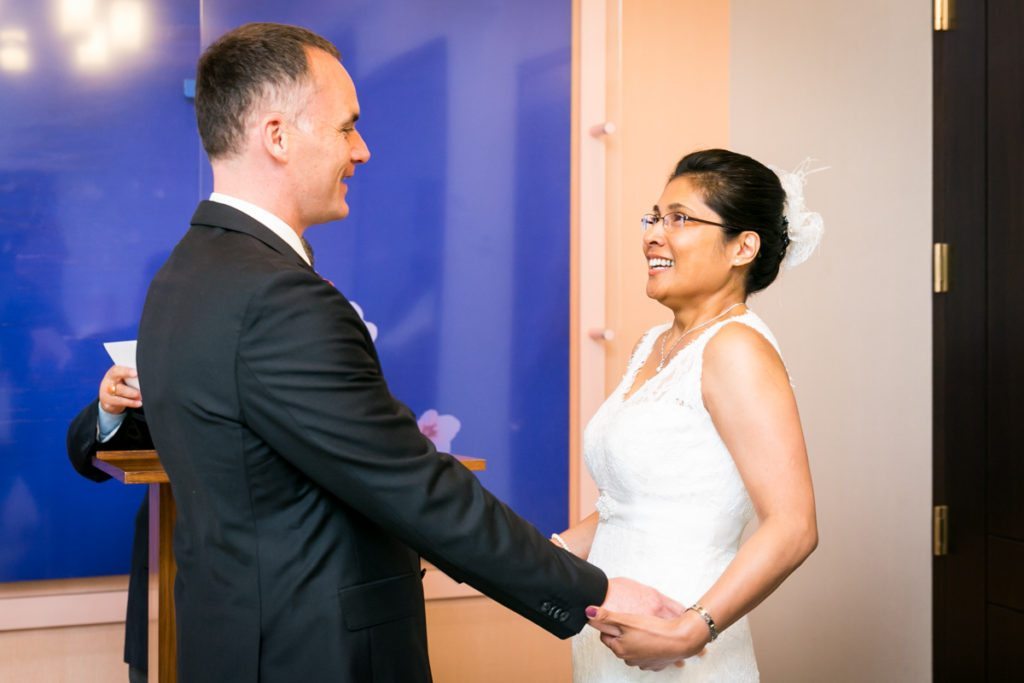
[(276, 225)]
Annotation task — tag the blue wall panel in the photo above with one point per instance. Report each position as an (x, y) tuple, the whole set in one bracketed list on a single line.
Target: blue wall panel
[(98, 174), (457, 247)]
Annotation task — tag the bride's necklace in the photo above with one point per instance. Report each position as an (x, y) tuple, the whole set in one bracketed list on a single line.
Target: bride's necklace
[(665, 356)]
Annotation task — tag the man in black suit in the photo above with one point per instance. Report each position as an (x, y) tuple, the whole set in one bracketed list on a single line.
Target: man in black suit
[(115, 422), (304, 489)]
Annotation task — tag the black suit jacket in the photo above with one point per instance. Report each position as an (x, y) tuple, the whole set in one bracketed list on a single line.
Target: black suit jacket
[(82, 446), (304, 489)]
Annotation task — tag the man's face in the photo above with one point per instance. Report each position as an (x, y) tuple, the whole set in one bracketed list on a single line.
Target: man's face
[(326, 146)]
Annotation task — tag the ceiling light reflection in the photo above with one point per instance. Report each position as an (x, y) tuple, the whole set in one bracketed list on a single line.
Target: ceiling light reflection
[(13, 35), (127, 24), (14, 58), (94, 52), (75, 16), (14, 55)]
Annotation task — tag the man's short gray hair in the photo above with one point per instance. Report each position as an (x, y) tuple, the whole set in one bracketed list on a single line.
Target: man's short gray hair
[(253, 64)]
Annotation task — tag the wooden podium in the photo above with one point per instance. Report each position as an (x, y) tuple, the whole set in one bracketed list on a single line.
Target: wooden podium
[(143, 467)]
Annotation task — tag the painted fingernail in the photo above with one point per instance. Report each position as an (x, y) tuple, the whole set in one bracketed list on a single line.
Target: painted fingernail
[(591, 612)]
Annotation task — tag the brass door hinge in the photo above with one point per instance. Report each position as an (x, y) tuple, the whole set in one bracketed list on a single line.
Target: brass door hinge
[(940, 530), (940, 267), (942, 15)]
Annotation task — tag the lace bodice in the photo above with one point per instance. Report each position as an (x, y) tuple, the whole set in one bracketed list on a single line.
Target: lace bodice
[(672, 504)]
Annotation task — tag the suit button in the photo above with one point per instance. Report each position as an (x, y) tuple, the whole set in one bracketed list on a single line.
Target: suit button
[(564, 616), (546, 607)]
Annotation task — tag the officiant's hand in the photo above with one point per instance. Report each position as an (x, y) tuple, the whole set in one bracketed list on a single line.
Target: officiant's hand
[(116, 396), (628, 596), (649, 642)]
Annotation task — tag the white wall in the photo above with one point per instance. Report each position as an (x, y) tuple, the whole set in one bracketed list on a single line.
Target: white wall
[(849, 83)]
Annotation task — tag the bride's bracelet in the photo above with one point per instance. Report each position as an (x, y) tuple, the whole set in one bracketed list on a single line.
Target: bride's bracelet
[(707, 619)]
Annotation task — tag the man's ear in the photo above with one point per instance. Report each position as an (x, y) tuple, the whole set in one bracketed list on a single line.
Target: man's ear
[(275, 135), (747, 245)]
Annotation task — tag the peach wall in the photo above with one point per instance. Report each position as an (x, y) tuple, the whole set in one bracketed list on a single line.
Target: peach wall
[(674, 99), (71, 654), (65, 630), (470, 639), (658, 70), (595, 47)]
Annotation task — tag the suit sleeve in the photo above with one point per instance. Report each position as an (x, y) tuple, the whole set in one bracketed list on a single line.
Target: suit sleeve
[(310, 385), (83, 444)]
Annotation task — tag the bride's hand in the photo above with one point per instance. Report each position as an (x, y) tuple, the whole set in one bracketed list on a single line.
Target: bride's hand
[(651, 643)]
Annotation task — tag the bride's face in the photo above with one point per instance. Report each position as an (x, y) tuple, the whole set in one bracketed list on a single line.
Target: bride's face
[(687, 260)]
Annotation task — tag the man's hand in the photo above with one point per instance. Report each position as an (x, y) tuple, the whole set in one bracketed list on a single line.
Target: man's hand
[(626, 595), (116, 396)]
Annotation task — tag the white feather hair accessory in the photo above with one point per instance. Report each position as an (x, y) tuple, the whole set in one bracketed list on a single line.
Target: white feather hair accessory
[(805, 227)]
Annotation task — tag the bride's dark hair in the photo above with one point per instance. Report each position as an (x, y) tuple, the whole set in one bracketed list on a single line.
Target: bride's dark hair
[(748, 196)]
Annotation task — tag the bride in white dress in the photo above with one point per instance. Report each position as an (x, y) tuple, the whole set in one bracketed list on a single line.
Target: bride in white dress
[(701, 435)]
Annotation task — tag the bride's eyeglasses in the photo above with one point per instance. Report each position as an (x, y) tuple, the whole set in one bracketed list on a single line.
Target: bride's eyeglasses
[(674, 221)]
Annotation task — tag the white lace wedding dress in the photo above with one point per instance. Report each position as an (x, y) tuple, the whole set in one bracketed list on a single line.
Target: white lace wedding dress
[(672, 506)]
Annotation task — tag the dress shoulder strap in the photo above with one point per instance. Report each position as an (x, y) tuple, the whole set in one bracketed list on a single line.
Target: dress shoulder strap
[(753, 321)]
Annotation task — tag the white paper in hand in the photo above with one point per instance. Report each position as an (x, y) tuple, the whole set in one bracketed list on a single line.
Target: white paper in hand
[(123, 353)]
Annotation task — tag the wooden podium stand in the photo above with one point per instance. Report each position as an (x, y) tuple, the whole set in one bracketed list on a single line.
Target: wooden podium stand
[(143, 467)]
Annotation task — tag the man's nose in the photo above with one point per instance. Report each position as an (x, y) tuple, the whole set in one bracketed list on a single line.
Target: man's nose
[(360, 152)]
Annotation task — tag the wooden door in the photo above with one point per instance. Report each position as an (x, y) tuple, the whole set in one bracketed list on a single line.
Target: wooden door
[(979, 343)]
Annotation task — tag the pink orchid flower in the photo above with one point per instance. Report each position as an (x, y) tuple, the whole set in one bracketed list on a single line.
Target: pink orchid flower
[(440, 429)]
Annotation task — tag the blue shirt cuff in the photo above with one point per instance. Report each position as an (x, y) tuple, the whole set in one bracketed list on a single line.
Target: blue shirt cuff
[(107, 425)]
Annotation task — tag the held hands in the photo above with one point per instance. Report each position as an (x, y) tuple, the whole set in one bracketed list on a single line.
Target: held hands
[(116, 396), (627, 595), (647, 629)]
